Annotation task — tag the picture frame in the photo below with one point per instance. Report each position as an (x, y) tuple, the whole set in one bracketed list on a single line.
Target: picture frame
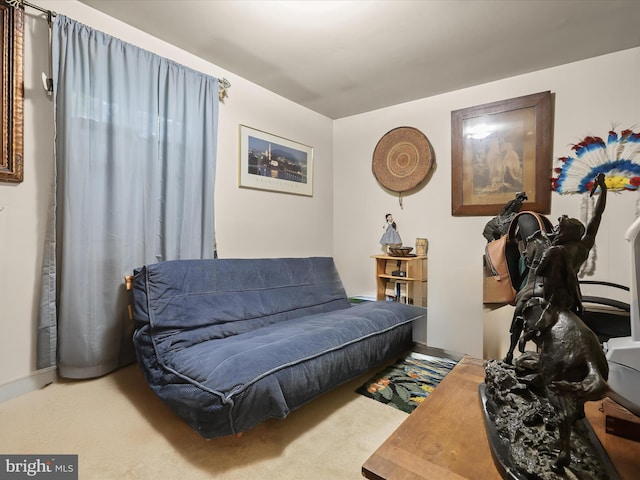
[(499, 149), (273, 163), (12, 38)]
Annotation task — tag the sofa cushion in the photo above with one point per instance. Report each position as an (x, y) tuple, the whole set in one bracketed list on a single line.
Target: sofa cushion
[(278, 346), (191, 301)]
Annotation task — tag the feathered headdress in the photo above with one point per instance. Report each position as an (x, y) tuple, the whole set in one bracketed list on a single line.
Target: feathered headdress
[(618, 159)]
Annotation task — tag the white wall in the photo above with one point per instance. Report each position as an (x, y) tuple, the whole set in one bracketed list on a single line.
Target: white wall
[(589, 96), (346, 213), (249, 223), (23, 213)]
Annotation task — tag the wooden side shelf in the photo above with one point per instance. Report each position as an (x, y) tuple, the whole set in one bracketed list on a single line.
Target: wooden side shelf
[(402, 278)]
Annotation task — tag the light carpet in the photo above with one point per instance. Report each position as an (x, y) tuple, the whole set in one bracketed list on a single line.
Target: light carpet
[(120, 430)]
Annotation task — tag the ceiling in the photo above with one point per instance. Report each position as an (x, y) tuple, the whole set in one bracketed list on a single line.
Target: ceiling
[(341, 58)]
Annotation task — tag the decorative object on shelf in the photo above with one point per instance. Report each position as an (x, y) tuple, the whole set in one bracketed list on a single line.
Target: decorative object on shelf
[(499, 149), (269, 162), (618, 159), (400, 251), (390, 237), (422, 245), (402, 160)]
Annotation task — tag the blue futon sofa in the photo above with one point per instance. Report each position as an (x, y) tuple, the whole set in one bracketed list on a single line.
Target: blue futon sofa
[(229, 343)]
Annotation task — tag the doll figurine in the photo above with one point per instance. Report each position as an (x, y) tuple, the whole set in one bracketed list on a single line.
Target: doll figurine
[(390, 235)]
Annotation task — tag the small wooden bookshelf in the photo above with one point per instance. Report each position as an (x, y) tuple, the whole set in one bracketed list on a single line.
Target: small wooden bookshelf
[(402, 279)]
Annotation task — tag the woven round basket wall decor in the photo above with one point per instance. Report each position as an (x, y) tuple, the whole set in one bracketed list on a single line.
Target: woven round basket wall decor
[(402, 159)]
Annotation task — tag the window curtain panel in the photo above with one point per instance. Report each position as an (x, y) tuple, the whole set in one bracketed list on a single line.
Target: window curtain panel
[(133, 184)]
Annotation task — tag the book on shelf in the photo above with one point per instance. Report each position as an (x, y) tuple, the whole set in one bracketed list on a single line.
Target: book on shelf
[(402, 292), (397, 291), (390, 289)]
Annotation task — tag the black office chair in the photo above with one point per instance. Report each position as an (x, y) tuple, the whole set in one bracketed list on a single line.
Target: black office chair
[(607, 317)]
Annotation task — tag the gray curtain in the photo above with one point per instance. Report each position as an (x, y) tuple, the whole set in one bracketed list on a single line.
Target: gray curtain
[(135, 163)]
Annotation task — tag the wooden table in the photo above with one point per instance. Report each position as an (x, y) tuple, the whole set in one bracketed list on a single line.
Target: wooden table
[(445, 437)]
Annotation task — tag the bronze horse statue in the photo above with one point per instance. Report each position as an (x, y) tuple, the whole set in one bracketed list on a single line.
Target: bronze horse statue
[(572, 366), (569, 367), (569, 233)]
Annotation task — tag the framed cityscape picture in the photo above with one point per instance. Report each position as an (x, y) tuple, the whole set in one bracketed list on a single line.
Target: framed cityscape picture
[(270, 162)]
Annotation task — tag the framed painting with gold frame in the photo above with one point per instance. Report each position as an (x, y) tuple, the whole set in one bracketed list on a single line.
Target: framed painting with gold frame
[(11, 36), (499, 149)]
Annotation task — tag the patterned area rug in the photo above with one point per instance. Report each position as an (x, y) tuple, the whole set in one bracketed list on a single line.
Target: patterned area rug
[(406, 383)]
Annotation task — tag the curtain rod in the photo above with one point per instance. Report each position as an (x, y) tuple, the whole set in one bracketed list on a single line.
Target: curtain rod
[(224, 83), (47, 80), (19, 3)]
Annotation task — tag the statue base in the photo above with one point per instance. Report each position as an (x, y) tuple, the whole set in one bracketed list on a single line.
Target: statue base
[(521, 428)]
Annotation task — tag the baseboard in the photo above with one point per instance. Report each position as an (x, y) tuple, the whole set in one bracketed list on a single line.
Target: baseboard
[(436, 352), (35, 381)]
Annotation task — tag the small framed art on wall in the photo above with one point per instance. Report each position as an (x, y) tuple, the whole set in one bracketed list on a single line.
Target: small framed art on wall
[(270, 162)]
